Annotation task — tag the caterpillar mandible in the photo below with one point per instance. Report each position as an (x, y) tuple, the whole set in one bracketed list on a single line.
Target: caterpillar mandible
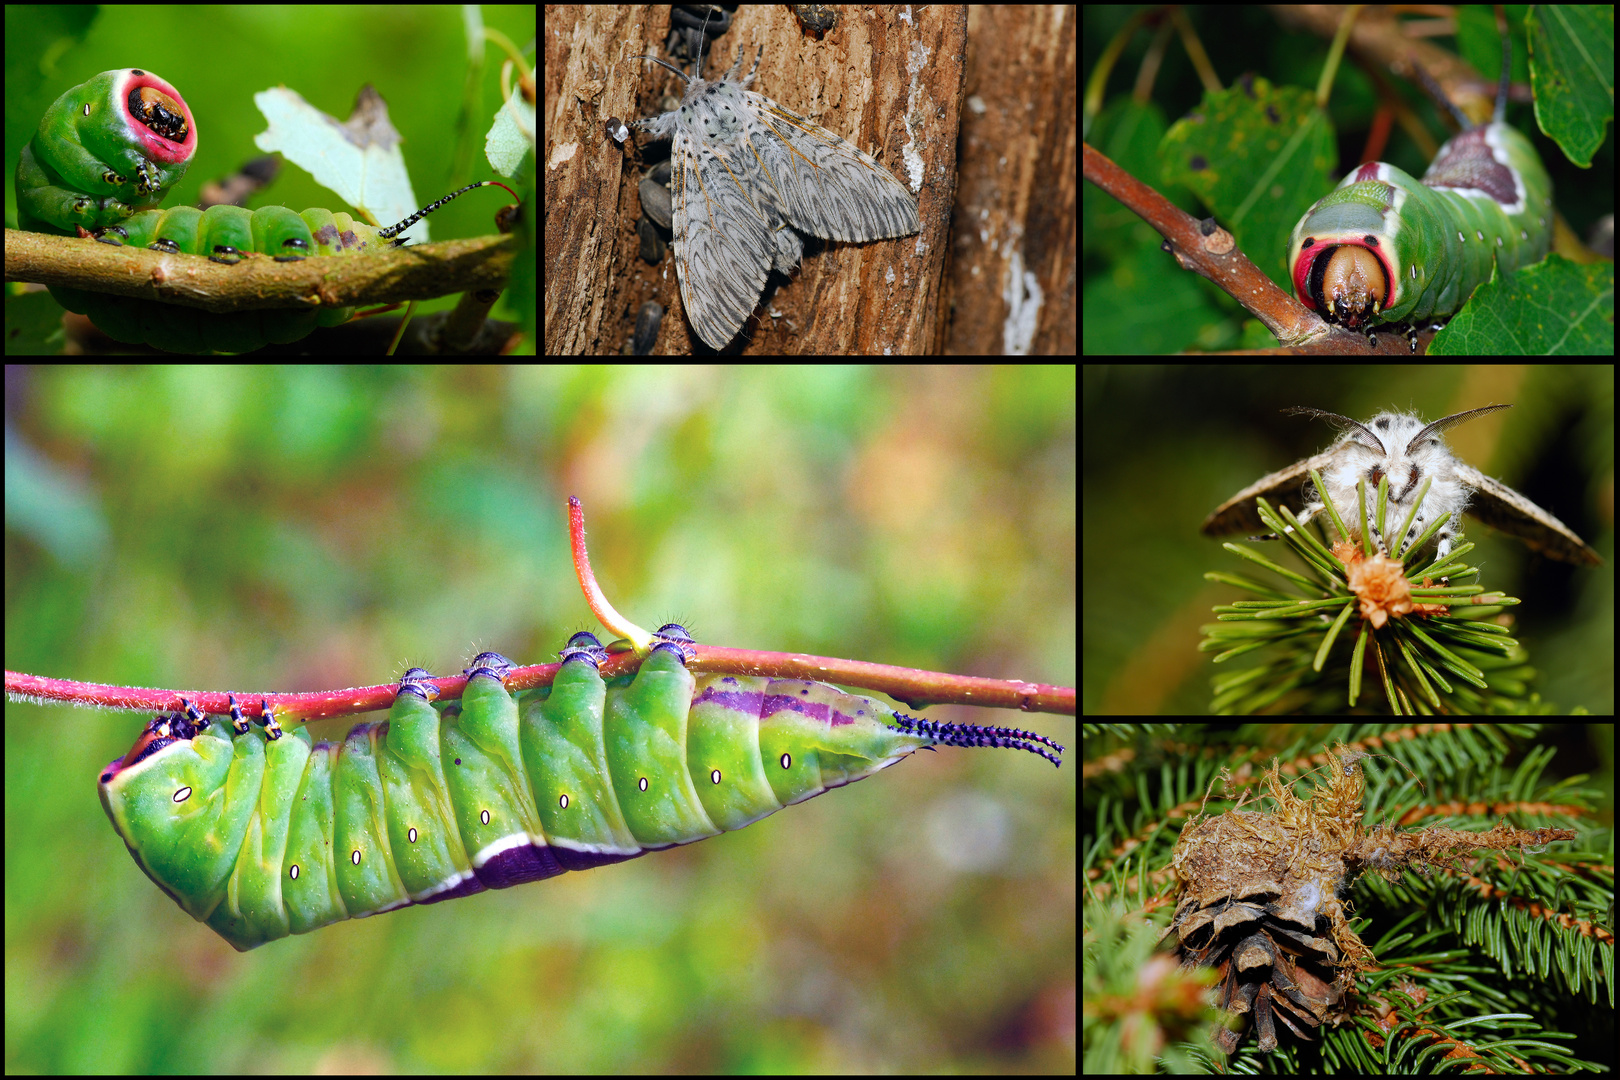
[(261, 833), (104, 156), (1384, 247)]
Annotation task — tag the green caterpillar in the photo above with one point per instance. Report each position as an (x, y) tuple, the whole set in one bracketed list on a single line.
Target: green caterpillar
[(262, 833), (106, 153), (228, 235), (1384, 247), (104, 150)]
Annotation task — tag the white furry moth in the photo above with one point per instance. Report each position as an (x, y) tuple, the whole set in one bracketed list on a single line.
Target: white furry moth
[(745, 170), (1383, 247), (1408, 451)]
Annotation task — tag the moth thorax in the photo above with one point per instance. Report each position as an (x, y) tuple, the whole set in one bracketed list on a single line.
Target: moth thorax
[(1394, 446), (1350, 284)]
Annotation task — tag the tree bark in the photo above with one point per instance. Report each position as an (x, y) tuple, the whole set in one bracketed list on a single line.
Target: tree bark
[(888, 81)]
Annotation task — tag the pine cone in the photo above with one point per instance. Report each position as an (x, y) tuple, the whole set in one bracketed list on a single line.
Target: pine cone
[(1269, 958), (1267, 930), (1259, 896)]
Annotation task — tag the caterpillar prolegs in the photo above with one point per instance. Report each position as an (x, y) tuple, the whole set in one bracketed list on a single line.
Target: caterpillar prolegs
[(261, 833), (230, 235)]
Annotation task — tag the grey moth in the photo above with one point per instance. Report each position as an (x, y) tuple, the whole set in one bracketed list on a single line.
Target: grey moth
[(748, 176)]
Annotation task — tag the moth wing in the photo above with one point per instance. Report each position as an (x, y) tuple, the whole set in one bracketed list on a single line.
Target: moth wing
[(722, 243), (1500, 507), (1285, 487), (824, 184)]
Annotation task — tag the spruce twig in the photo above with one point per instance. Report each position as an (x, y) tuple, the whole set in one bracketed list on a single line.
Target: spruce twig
[(1501, 960), (1357, 615)]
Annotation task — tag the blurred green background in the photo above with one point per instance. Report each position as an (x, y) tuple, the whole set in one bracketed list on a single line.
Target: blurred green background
[(218, 57), (1167, 444), (311, 528)]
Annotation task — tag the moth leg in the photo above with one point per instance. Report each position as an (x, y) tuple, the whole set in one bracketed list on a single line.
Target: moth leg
[(1310, 512), (1305, 516)]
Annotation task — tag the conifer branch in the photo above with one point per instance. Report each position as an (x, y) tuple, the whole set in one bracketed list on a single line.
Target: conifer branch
[(1497, 957), (1396, 631)]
